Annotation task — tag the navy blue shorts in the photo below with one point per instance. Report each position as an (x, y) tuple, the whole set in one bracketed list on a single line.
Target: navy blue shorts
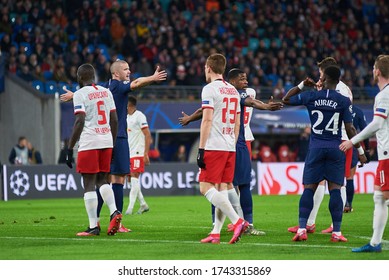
[(355, 158), (120, 164), (326, 163), (242, 173)]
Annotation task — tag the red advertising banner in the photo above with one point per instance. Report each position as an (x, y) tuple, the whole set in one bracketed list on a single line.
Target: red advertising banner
[(286, 178)]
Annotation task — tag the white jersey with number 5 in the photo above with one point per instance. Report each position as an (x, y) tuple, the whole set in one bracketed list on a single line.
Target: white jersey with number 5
[(344, 90), (248, 113), (136, 139), (96, 102), (224, 99)]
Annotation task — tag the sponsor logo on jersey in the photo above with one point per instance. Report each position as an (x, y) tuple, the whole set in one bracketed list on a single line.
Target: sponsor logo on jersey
[(205, 102)]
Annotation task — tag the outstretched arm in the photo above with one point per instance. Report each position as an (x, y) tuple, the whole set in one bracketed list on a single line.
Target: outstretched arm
[(68, 96), (257, 104), (185, 119), (158, 76)]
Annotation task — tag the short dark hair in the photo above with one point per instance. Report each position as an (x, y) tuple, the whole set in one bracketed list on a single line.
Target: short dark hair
[(132, 100), (86, 73), (332, 72), (234, 73)]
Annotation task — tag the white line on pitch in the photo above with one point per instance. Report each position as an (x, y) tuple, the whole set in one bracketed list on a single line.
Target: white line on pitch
[(174, 241)]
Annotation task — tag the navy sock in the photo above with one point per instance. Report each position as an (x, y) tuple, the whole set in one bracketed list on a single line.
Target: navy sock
[(118, 193), (336, 209), (305, 207), (246, 202), (350, 191), (100, 202), (213, 213)]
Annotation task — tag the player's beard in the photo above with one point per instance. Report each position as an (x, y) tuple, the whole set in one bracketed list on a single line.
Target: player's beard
[(375, 78)]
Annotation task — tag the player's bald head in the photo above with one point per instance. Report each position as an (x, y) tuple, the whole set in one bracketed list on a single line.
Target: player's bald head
[(116, 65)]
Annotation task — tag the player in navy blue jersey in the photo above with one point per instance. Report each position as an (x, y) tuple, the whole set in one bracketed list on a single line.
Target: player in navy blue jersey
[(120, 86), (359, 122), (242, 175), (327, 110)]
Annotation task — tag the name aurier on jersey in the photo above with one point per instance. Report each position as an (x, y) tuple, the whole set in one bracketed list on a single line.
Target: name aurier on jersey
[(325, 102)]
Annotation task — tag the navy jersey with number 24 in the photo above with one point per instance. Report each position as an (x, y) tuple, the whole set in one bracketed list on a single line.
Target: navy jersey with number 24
[(327, 110)]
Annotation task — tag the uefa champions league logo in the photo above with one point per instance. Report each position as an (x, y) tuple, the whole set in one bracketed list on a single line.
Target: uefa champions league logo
[(19, 183)]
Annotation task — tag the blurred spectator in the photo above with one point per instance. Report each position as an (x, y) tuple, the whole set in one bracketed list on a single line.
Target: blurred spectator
[(19, 153), (181, 154), (279, 41), (266, 154), (285, 154), (34, 156)]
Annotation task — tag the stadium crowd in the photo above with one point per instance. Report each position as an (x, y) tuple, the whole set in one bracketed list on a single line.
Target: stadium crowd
[(278, 43)]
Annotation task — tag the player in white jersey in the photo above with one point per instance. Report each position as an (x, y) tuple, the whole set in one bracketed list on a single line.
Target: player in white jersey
[(248, 113), (96, 128), (218, 135), (139, 140), (343, 89), (380, 127)]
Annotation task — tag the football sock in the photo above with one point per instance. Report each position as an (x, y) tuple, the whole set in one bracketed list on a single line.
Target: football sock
[(108, 196), (90, 200), (246, 202), (234, 199), (380, 218), (336, 209), (219, 216), (317, 199), (213, 213), (343, 195), (119, 194), (133, 192), (350, 191), (222, 202), (100, 202), (305, 207), (141, 199)]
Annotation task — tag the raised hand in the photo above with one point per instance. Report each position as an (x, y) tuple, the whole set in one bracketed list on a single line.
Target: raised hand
[(159, 75), (184, 120)]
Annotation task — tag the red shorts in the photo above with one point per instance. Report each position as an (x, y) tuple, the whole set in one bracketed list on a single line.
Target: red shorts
[(382, 175), (94, 161), (248, 143), (220, 166), (349, 159), (137, 164)]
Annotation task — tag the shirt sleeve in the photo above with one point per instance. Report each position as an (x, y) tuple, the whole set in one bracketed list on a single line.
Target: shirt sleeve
[(124, 87), (348, 111), (207, 100), (78, 102), (299, 99), (143, 121), (381, 107)]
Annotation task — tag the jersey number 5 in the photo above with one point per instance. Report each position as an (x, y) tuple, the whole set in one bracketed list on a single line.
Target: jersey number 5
[(101, 112), (233, 103)]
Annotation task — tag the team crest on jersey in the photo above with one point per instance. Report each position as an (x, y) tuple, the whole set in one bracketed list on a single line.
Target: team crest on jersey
[(243, 94)]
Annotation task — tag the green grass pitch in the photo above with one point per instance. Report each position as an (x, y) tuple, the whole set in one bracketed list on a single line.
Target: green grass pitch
[(45, 230)]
